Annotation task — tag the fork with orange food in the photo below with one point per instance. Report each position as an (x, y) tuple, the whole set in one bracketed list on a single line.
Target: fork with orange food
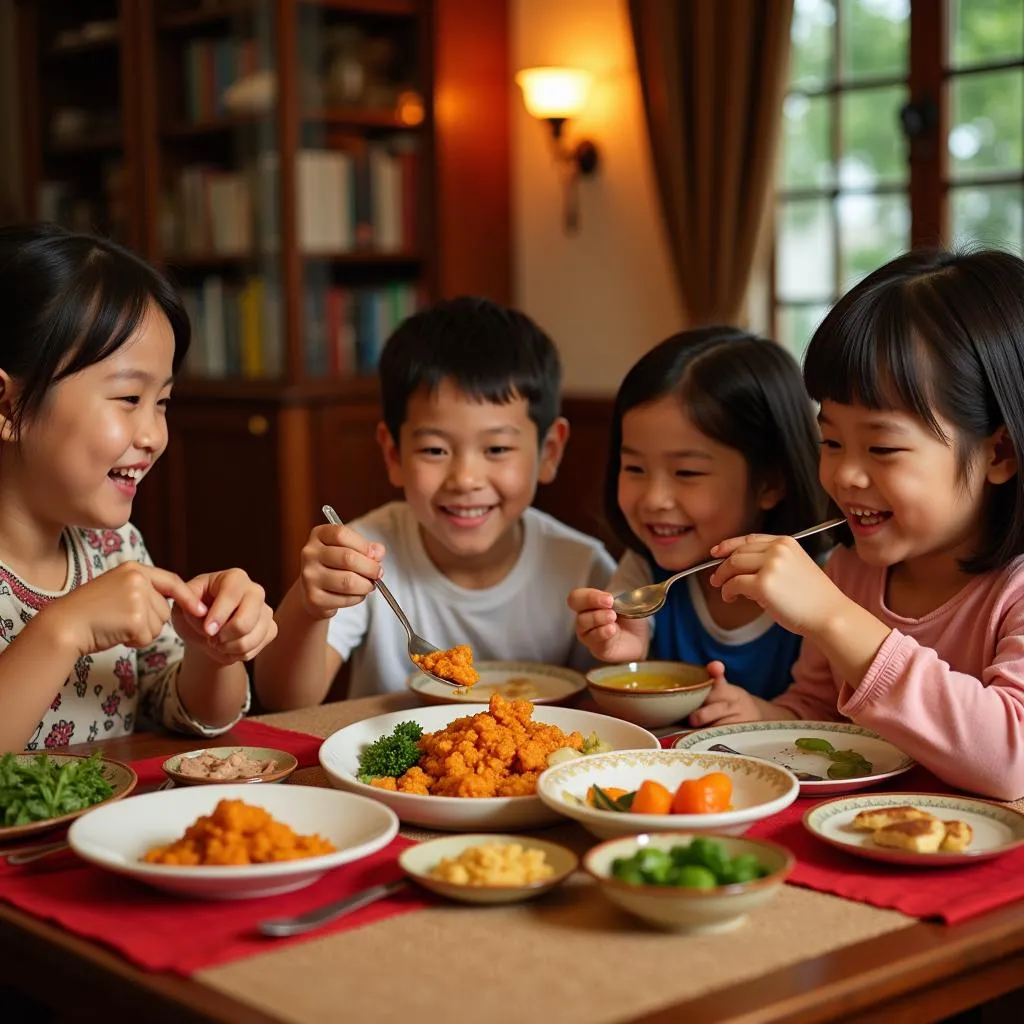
[(709, 794)]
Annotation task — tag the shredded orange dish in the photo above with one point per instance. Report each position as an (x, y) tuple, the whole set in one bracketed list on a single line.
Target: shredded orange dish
[(455, 665), (498, 752), (237, 833)]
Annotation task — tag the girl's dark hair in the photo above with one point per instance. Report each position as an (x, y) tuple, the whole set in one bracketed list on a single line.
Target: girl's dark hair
[(937, 332), (492, 353), (69, 301), (744, 392)]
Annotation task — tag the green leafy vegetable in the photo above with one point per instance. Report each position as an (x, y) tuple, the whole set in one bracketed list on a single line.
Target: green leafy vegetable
[(604, 802), (42, 788), (846, 764), (391, 755), (702, 864)]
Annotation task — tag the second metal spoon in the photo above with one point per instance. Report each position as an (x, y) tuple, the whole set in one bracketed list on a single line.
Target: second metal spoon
[(644, 601), (417, 645)]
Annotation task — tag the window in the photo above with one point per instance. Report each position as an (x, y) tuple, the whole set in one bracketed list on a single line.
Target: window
[(902, 126)]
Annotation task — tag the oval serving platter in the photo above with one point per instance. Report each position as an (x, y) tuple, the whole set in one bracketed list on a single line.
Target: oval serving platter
[(776, 741)]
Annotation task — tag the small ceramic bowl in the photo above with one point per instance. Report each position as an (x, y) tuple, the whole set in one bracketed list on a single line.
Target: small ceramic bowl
[(693, 911), (759, 789), (629, 691), (419, 860), (286, 764)]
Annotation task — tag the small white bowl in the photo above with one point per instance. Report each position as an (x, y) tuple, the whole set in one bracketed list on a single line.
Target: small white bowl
[(694, 911), (418, 861), (638, 702), (760, 789)]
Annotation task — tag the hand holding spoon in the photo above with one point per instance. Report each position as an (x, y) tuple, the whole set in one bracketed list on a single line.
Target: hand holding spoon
[(417, 645)]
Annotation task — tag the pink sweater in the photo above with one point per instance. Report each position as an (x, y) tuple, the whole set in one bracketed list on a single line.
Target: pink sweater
[(947, 688)]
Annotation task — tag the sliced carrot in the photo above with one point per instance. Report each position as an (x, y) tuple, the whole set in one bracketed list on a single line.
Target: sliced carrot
[(707, 795), (652, 798)]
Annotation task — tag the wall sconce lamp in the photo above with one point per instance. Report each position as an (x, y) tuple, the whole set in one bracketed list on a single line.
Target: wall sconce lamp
[(555, 95)]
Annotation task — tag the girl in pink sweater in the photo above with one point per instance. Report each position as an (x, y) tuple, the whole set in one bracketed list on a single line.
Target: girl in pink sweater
[(917, 630)]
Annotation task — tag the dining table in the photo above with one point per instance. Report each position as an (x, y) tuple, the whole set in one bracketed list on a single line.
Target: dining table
[(570, 956)]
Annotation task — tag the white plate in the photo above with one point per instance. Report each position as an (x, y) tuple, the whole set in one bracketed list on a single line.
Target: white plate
[(339, 757), (116, 837), (514, 680), (997, 829), (775, 741), (760, 789), (120, 776)]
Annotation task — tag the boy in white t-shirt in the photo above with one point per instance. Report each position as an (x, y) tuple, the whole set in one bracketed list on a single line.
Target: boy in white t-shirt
[(470, 392)]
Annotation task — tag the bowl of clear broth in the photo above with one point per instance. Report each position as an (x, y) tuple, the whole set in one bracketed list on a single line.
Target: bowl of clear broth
[(650, 693)]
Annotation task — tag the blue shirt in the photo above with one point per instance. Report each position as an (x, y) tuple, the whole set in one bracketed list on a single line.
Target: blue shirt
[(759, 656)]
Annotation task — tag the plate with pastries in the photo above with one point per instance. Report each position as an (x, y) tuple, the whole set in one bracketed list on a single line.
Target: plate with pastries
[(919, 829)]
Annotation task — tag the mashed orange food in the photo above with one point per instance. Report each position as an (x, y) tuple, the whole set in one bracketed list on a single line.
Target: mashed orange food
[(455, 665), (237, 833), (498, 752)]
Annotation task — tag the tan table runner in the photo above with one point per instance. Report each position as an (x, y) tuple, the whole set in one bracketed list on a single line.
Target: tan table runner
[(571, 958)]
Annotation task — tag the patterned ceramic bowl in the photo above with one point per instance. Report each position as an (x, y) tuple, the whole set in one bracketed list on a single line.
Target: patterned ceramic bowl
[(759, 789), (694, 911)]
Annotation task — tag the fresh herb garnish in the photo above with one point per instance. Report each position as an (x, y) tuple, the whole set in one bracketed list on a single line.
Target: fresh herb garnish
[(391, 755), (41, 788), (846, 764)]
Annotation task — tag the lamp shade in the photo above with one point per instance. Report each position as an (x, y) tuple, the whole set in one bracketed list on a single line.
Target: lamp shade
[(554, 92)]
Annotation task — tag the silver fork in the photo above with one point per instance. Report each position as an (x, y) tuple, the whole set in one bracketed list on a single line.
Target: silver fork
[(280, 927), (417, 645)]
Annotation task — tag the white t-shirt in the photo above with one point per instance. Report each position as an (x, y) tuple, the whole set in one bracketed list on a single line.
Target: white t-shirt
[(524, 617)]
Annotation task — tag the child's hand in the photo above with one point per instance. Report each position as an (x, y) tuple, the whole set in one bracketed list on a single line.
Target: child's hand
[(602, 632), (777, 574), (128, 605), (725, 704), (338, 569), (239, 622)]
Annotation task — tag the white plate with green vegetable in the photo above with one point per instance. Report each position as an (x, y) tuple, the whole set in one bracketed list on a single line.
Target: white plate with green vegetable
[(345, 759), (43, 791), (829, 758)]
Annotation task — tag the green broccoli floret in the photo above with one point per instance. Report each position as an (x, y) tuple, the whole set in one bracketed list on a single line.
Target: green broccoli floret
[(392, 755)]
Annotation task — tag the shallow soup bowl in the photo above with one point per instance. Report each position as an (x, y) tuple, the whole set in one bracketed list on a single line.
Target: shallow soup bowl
[(340, 752), (759, 790), (650, 693)]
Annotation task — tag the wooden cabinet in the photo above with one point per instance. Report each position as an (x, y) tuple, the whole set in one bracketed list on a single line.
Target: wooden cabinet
[(307, 171)]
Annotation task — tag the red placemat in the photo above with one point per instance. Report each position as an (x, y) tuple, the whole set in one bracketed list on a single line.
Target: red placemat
[(949, 895), (162, 932)]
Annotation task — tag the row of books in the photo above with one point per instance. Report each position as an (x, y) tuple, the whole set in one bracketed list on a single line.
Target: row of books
[(358, 200), (237, 330), (212, 66)]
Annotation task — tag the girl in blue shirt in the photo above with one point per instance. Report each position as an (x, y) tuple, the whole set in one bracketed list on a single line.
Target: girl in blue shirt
[(713, 436)]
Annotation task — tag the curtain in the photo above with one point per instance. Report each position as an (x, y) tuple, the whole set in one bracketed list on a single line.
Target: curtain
[(713, 76)]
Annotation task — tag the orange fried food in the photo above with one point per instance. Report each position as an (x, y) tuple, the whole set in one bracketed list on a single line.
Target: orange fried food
[(498, 752), (237, 833), (455, 665)]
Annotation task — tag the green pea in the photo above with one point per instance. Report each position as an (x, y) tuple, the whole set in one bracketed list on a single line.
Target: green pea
[(693, 876)]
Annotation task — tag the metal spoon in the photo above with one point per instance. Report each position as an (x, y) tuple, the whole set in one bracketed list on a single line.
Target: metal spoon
[(417, 645), (280, 927), (646, 600)]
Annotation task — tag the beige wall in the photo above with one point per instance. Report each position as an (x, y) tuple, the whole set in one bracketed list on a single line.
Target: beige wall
[(606, 294)]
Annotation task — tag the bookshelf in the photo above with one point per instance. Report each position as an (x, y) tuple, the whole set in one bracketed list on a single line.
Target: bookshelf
[(308, 172)]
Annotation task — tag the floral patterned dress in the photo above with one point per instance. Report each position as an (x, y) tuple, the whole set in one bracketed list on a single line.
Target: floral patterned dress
[(108, 692)]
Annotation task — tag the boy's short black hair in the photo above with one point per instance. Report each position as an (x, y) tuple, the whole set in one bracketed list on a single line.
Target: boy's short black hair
[(492, 353)]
